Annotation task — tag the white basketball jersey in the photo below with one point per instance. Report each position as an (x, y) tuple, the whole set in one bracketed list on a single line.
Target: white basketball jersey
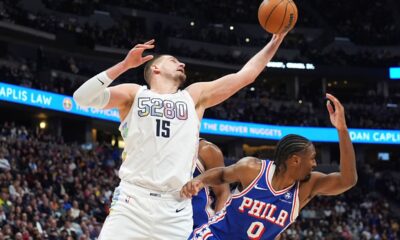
[(161, 134)]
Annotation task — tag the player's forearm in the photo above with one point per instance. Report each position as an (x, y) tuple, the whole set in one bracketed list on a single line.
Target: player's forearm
[(221, 196), (258, 62), (116, 70), (213, 177), (219, 205), (348, 168), (94, 92)]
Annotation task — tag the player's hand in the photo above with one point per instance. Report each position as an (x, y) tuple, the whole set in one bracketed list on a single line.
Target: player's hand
[(191, 188), (336, 115), (279, 36), (135, 58)]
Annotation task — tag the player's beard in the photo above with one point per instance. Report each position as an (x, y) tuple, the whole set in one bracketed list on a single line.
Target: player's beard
[(181, 78), (306, 178), (177, 77)]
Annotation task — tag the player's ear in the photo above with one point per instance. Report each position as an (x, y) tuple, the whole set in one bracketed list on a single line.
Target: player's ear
[(295, 160), (155, 69)]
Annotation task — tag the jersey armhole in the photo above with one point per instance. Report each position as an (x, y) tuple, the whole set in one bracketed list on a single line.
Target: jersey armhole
[(189, 97), (187, 94), (248, 188), (199, 165), (296, 204)]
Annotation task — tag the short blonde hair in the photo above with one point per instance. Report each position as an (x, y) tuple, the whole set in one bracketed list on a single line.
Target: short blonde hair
[(147, 68)]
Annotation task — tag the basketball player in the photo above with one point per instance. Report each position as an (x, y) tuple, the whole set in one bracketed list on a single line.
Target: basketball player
[(272, 193), (160, 127), (209, 156)]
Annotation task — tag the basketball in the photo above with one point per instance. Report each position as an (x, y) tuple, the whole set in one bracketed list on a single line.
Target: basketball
[(277, 16)]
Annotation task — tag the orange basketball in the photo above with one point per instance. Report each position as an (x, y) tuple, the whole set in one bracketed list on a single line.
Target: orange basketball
[(277, 16)]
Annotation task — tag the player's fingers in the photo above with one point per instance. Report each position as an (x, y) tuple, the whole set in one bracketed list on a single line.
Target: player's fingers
[(197, 190), (186, 195), (189, 193), (190, 187), (136, 51), (329, 107), (145, 46), (183, 188), (150, 41), (147, 58), (330, 97), (184, 192), (334, 100), (281, 35)]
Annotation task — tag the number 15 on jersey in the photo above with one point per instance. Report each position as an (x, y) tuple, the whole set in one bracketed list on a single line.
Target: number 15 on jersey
[(162, 128)]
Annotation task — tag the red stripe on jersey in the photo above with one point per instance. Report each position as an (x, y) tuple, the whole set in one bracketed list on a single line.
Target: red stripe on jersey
[(207, 236)]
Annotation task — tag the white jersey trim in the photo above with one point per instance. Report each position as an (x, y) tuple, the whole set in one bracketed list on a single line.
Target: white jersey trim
[(270, 174), (295, 208), (132, 106), (200, 166), (296, 204), (191, 100), (248, 188)]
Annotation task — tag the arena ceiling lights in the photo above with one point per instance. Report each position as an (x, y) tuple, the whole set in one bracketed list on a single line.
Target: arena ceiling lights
[(291, 65)]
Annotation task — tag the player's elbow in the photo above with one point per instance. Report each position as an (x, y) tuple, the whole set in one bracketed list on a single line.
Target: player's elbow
[(80, 99), (350, 182), (247, 76), (249, 80), (354, 180)]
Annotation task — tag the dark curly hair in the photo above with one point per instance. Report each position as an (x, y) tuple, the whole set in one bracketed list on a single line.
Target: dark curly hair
[(287, 146)]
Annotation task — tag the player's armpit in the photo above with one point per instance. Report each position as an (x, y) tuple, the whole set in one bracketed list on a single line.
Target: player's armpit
[(208, 94), (121, 97)]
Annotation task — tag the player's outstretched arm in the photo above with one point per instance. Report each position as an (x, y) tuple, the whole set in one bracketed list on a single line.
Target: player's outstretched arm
[(243, 171), (337, 183), (212, 157), (208, 94), (95, 92)]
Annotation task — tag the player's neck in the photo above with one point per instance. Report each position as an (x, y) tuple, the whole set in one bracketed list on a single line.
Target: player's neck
[(282, 180), (164, 86)]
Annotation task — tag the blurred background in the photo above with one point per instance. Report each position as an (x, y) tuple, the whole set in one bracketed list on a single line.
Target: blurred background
[(59, 162)]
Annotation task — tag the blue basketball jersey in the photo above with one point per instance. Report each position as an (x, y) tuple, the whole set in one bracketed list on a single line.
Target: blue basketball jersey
[(202, 202), (257, 212)]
